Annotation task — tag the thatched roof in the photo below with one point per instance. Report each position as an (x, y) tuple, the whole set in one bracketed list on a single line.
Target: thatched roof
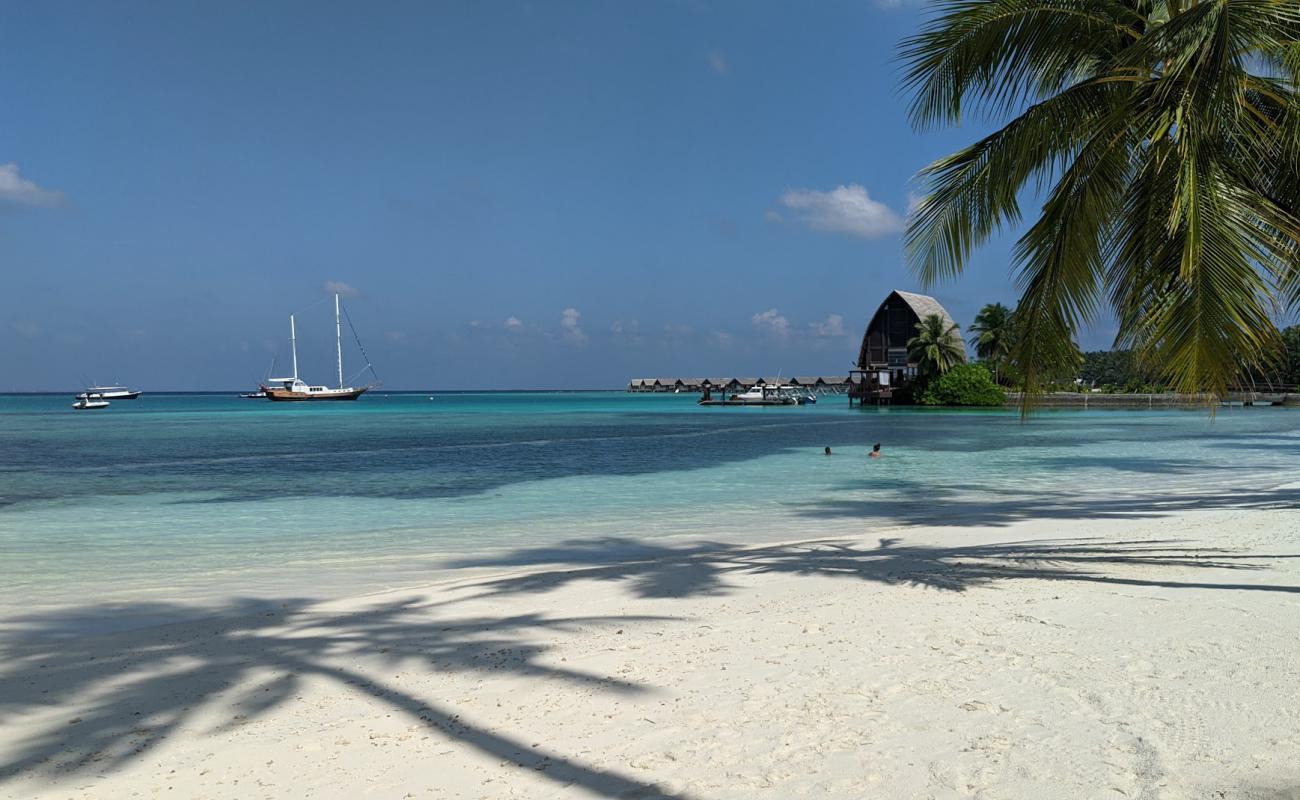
[(924, 305)]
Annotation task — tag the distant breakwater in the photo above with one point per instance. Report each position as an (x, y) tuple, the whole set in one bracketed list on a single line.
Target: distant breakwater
[(1161, 400)]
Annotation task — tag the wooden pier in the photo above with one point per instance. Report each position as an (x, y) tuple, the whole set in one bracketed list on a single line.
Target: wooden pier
[(817, 384)]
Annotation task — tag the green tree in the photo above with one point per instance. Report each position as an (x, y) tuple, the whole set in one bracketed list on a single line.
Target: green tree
[(1165, 136), (963, 385), (1289, 368), (1110, 368), (936, 347), (993, 336)]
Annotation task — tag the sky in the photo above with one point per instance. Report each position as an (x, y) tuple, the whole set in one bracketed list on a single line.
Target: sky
[(507, 194)]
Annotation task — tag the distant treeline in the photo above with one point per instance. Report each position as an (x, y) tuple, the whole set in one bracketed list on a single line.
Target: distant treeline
[(1119, 370)]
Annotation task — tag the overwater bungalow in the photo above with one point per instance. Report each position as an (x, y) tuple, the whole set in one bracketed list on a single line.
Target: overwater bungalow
[(883, 362)]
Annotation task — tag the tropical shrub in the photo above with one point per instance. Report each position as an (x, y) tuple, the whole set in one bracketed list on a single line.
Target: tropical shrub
[(963, 385)]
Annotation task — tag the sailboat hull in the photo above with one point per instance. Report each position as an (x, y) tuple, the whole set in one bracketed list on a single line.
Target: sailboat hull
[(288, 395)]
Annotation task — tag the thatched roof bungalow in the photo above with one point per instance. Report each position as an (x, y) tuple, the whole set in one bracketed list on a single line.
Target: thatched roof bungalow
[(884, 345)]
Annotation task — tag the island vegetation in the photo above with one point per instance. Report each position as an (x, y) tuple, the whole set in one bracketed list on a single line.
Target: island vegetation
[(944, 379), (1164, 139)]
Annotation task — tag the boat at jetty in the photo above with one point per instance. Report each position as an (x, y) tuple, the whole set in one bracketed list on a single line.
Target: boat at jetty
[(295, 389), (762, 395)]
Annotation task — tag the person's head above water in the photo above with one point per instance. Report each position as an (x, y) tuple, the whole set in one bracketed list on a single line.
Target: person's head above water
[(828, 450), (875, 450)]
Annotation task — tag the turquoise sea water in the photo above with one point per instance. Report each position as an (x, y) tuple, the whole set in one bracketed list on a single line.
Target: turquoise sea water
[(198, 497)]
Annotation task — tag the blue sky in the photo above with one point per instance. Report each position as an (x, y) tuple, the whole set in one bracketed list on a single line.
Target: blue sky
[(563, 194)]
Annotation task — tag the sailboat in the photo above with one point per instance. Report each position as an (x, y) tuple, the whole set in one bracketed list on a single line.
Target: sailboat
[(292, 388)]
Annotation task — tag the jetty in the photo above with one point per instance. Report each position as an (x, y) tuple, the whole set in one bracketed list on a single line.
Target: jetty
[(816, 384)]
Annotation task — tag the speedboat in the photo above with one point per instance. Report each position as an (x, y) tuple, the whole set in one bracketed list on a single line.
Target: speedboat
[(86, 401)]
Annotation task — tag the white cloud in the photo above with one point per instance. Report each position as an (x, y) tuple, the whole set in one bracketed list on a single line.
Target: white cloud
[(27, 329), (17, 190), (512, 324), (844, 209), (914, 202), (771, 322), (831, 327), (719, 63), (722, 340), (773, 217), (569, 319), (627, 332), (340, 288)]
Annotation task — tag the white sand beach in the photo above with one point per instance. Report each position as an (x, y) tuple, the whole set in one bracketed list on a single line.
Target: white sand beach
[(1141, 657)]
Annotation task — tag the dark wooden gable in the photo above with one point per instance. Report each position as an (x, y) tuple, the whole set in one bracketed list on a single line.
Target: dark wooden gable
[(885, 342)]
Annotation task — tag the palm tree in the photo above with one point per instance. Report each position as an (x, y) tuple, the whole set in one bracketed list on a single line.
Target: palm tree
[(936, 347), (992, 335), (1166, 136)]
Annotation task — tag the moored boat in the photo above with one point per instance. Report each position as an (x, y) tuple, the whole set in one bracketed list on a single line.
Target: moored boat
[(295, 389), (761, 395), (113, 392), (87, 401)]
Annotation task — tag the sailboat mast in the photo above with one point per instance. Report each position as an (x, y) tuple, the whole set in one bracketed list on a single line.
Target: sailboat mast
[(293, 345), (338, 339)]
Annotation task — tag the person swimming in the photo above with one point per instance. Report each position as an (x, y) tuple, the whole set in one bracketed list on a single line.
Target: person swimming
[(828, 450), (875, 450)]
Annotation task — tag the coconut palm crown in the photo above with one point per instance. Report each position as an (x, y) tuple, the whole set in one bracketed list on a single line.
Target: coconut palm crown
[(1162, 138), (993, 334), (936, 347)]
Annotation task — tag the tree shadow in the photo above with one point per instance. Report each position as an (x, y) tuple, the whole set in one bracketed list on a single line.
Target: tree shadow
[(703, 568), (918, 504), (131, 697)]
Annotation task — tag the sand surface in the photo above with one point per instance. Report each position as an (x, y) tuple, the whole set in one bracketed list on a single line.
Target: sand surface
[(1145, 657)]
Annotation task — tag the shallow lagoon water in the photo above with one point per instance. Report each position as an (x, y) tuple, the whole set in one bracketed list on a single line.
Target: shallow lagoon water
[(196, 498)]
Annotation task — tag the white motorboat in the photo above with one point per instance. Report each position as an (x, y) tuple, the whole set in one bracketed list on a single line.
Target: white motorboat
[(761, 395), (113, 392), (87, 401)]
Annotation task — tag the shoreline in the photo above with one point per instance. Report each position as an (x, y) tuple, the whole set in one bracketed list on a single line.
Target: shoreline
[(312, 580), (924, 661)]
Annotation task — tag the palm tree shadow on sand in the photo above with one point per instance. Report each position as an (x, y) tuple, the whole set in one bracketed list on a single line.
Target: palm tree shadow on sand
[(156, 680), (253, 655), (654, 571)]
